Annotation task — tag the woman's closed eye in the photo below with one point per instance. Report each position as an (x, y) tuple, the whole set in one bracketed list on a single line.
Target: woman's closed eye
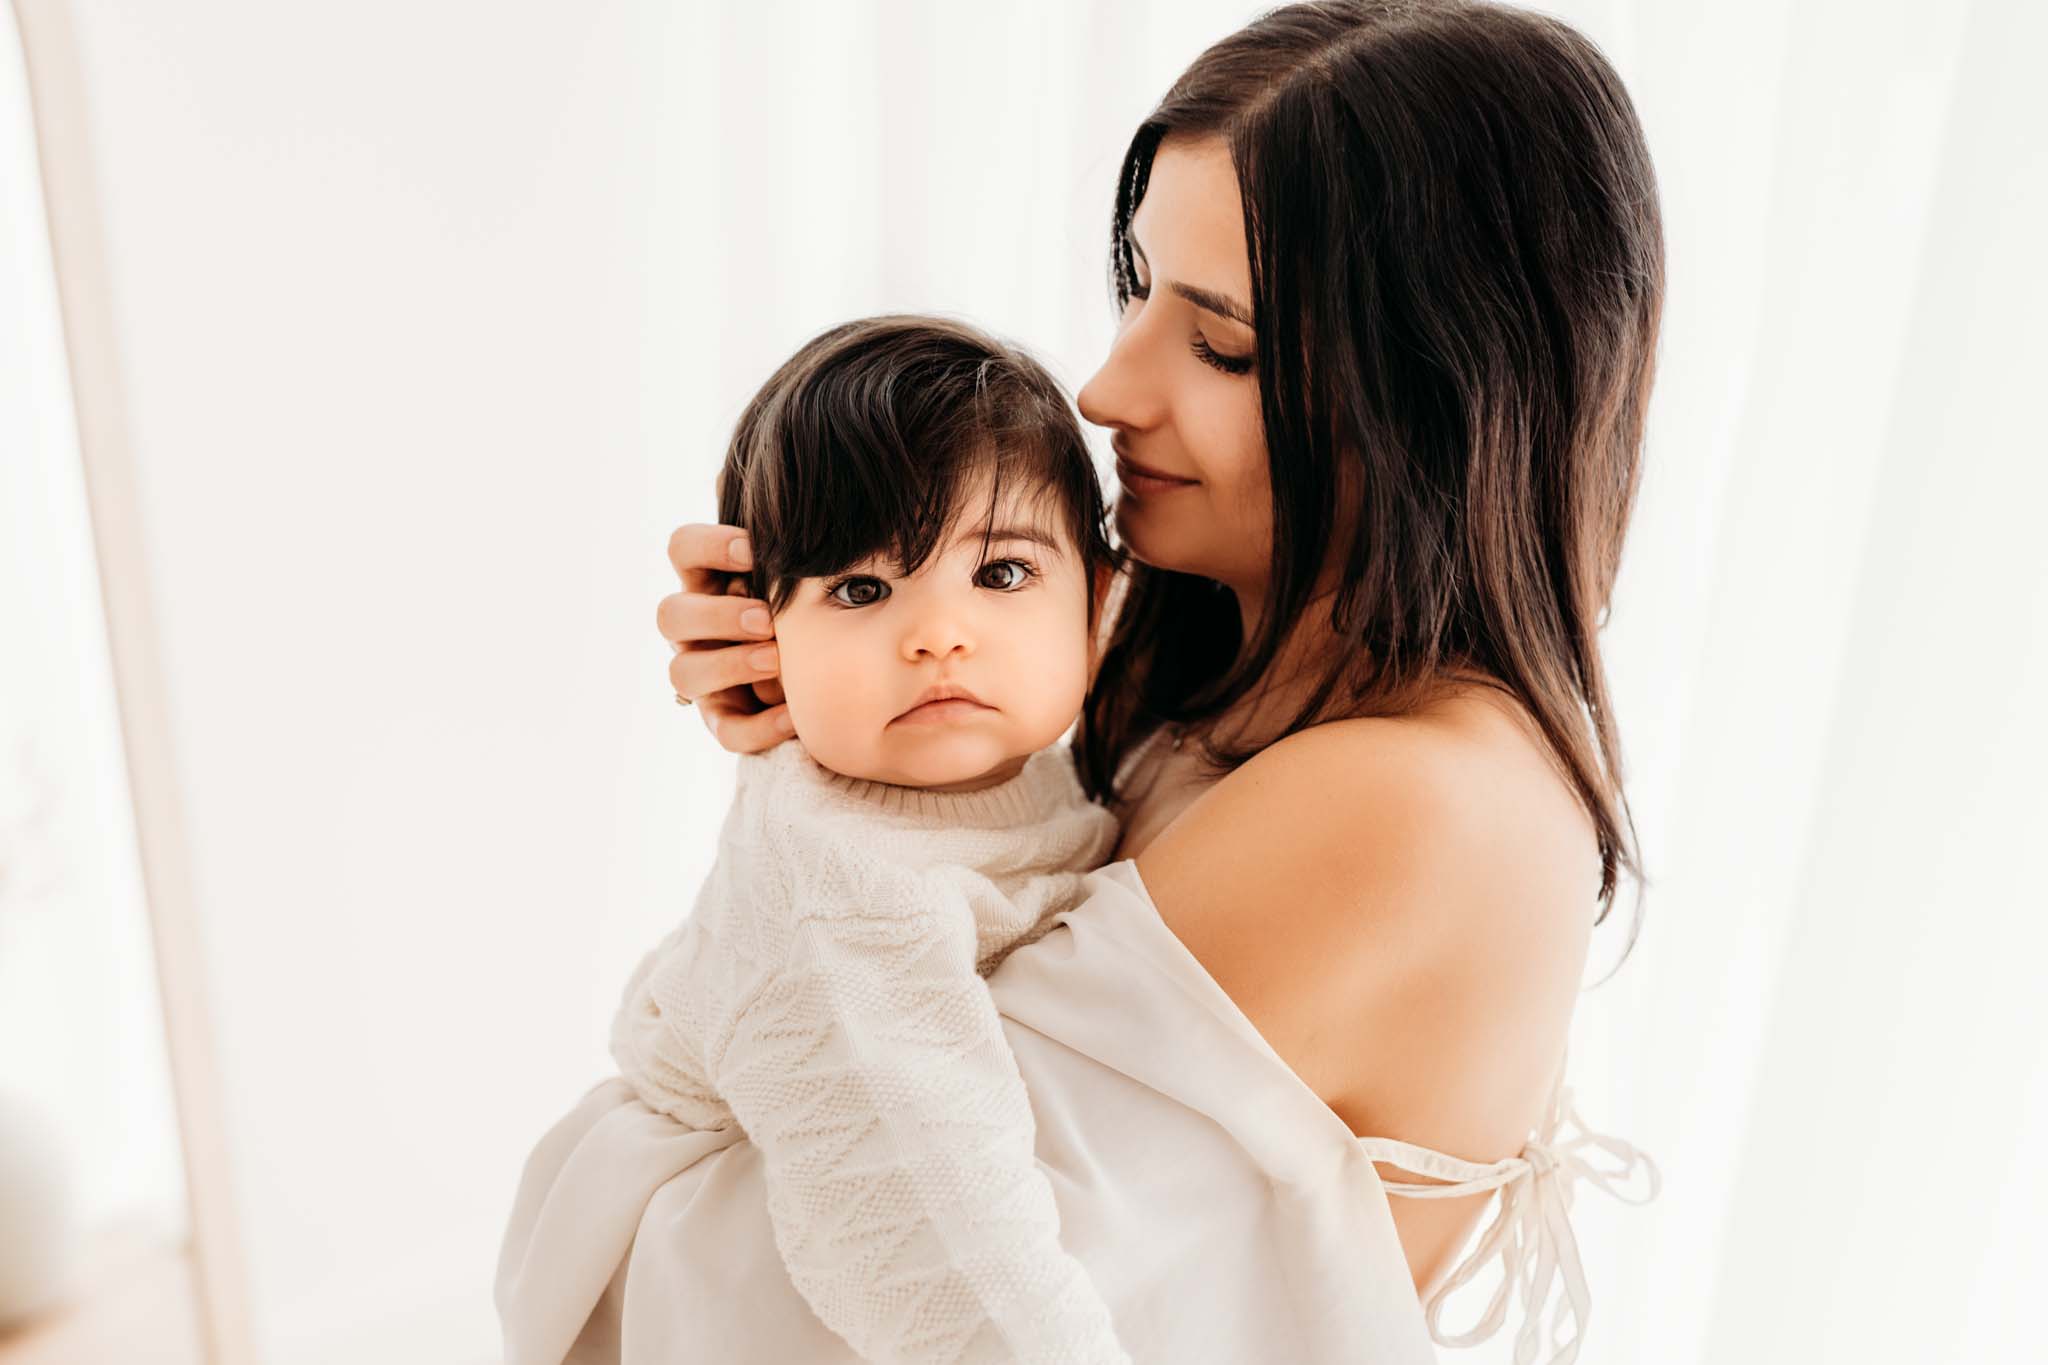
[(1026, 571), (1204, 352), (1229, 364)]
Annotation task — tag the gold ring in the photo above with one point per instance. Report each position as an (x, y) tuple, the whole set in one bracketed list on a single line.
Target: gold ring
[(682, 700)]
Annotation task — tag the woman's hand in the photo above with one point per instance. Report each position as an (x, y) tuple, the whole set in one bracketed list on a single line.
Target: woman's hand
[(739, 697)]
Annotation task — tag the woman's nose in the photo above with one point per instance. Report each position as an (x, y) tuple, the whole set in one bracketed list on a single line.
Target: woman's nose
[(1125, 392)]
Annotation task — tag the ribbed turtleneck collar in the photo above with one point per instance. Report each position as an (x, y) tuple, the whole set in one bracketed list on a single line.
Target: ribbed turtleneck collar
[(1044, 785)]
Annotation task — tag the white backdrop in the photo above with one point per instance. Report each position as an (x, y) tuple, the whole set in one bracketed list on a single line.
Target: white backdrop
[(432, 320)]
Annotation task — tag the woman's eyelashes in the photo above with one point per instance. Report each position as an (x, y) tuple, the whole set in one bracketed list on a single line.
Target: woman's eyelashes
[(1025, 572), (1229, 364), (1204, 352)]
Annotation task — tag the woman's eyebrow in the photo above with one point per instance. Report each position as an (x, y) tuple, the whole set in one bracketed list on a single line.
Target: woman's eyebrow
[(1222, 305)]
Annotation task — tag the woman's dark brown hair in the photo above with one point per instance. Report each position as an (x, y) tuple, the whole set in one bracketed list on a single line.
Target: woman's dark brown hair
[(1457, 270), (862, 443)]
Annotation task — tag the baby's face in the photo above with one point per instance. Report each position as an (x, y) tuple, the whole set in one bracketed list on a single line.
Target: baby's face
[(858, 650)]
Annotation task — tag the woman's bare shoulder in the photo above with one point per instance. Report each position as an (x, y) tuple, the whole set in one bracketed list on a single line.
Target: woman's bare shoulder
[(1401, 907)]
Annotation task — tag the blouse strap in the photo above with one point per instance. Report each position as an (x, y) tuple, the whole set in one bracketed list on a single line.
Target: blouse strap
[(1532, 1232)]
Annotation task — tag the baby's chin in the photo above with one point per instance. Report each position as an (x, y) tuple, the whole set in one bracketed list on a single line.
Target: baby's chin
[(935, 762)]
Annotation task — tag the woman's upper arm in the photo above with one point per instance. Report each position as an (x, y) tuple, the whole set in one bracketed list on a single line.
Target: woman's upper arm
[(1345, 888), (1311, 882)]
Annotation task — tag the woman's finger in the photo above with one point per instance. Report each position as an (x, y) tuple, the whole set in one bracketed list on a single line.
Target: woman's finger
[(698, 673), (688, 619), (702, 553), (744, 732)]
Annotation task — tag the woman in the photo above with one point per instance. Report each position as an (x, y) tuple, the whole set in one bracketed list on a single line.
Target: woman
[(1391, 277)]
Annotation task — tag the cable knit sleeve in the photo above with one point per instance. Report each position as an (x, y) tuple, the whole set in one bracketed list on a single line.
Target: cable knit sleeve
[(871, 1070)]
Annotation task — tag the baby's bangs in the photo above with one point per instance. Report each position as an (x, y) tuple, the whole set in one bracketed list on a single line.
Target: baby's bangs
[(883, 439)]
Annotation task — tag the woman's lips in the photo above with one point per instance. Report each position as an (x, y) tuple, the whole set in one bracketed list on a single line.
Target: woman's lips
[(1141, 481), (941, 712)]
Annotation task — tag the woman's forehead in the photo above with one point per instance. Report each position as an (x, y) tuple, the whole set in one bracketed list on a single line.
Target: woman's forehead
[(1190, 224)]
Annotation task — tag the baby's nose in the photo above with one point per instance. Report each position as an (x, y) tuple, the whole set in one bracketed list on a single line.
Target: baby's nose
[(938, 635)]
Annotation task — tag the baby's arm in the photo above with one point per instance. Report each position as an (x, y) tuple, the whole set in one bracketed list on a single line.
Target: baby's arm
[(872, 1073)]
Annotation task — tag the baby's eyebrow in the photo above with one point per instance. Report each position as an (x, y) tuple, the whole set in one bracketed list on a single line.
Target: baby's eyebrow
[(1030, 533)]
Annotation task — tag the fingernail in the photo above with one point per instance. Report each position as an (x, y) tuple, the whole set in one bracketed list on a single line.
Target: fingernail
[(756, 620), (764, 659), (784, 724), (741, 553)]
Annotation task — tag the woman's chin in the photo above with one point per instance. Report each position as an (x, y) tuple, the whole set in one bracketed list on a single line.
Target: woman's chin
[(1148, 538), (1172, 543), (1147, 528)]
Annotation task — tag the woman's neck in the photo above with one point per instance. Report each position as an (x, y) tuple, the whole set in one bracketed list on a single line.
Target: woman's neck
[(1290, 681)]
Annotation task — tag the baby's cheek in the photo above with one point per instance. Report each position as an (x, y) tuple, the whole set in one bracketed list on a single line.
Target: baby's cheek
[(832, 704), (810, 700), (1060, 685)]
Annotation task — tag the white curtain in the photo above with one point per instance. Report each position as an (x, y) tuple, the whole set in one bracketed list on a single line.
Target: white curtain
[(433, 316), (1830, 647), (81, 1045)]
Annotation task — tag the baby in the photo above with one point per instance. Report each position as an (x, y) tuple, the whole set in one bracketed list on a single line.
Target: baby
[(930, 538)]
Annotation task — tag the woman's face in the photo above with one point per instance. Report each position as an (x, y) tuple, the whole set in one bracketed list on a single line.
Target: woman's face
[(1179, 389)]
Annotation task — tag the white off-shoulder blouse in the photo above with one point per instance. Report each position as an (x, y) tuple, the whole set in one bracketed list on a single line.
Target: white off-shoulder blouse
[(1225, 1213)]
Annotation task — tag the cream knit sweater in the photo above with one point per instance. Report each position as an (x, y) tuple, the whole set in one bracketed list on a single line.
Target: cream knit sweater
[(826, 994)]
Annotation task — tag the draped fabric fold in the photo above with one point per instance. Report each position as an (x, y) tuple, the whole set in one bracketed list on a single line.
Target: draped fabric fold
[(1224, 1212)]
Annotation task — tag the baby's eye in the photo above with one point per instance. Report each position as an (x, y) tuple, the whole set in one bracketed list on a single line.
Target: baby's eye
[(859, 599), (1023, 573)]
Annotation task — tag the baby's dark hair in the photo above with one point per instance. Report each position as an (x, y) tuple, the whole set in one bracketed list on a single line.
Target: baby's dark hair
[(864, 441)]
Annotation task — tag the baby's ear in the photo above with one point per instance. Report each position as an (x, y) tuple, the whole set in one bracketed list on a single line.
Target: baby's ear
[(1104, 576)]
